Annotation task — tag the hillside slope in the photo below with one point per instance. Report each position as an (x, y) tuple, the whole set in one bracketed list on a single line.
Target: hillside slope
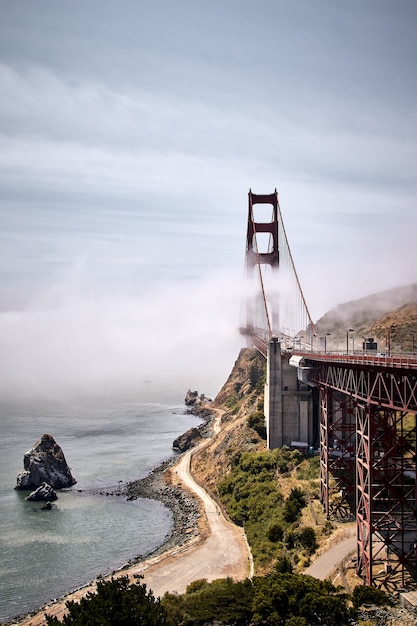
[(392, 312), (241, 395)]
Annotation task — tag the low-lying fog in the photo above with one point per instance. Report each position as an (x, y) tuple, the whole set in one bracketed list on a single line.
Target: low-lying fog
[(77, 340)]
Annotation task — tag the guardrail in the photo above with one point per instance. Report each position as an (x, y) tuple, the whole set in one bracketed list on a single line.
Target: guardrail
[(400, 360)]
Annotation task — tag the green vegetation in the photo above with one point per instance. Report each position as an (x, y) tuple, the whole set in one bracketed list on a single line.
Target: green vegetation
[(115, 603), (253, 499), (281, 599), (369, 595), (256, 421), (257, 377)]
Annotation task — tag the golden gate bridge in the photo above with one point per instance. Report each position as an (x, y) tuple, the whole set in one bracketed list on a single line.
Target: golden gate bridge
[(358, 408)]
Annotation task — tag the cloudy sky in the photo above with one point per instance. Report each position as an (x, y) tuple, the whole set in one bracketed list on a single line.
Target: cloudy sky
[(131, 132)]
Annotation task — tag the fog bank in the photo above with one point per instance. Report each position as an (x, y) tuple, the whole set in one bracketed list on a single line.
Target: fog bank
[(81, 341)]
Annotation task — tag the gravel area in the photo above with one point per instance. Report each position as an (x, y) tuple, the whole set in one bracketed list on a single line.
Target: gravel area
[(184, 507)]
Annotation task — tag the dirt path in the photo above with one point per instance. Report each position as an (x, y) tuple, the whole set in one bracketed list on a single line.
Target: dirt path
[(224, 553)]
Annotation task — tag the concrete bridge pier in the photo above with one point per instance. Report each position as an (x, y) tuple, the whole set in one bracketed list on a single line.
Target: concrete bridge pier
[(273, 398), (288, 403)]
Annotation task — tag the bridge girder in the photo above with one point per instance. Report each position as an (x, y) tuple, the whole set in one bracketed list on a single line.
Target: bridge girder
[(372, 417)]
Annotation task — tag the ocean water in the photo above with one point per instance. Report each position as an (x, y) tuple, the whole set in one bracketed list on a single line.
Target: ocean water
[(107, 440)]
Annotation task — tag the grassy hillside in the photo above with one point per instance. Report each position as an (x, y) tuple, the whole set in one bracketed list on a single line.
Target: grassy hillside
[(273, 494)]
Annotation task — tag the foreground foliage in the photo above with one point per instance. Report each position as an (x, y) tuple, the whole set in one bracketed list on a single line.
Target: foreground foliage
[(115, 603), (279, 599)]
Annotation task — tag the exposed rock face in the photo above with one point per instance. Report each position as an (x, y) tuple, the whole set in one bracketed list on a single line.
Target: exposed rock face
[(45, 462), (44, 493), (193, 399), (187, 440)]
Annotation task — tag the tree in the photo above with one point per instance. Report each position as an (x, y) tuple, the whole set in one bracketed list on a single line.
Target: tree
[(298, 600), (116, 602), (275, 532), (307, 538), (223, 601), (369, 595), (257, 422)]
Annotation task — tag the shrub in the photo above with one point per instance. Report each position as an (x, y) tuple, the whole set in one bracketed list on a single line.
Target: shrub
[(256, 421), (369, 595), (307, 538), (275, 533), (115, 602)]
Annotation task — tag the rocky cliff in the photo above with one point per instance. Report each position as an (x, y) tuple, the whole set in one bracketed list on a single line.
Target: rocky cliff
[(240, 397)]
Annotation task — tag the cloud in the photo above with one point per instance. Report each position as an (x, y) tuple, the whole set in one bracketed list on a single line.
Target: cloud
[(75, 341), (133, 154)]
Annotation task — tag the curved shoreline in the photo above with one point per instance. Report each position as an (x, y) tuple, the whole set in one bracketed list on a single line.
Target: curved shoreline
[(157, 485), (185, 507)]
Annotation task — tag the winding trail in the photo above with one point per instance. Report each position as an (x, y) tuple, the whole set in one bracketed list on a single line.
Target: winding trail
[(225, 552)]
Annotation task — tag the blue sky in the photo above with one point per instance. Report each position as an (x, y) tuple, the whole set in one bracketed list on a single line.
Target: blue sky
[(131, 132)]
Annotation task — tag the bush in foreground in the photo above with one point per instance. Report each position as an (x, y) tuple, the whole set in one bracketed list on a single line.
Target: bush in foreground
[(115, 603), (279, 599)]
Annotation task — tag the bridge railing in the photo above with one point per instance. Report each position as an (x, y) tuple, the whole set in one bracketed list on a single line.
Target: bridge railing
[(400, 360)]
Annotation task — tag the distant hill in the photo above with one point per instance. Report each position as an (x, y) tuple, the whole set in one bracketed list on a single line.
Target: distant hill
[(392, 312)]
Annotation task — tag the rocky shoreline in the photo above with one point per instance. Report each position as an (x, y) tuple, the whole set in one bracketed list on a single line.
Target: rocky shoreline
[(184, 506)]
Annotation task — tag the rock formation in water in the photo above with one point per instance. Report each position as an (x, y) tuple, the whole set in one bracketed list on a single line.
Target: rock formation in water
[(44, 493), (193, 399), (45, 462)]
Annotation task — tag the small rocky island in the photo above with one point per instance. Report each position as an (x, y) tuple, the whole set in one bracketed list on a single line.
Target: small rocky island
[(45, 464), (44, 493)]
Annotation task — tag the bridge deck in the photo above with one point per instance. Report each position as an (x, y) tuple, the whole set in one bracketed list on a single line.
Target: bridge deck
[(394, 361)]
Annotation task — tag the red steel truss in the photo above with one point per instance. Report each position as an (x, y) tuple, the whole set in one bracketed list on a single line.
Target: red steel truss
[(337, 452), (368, 442)]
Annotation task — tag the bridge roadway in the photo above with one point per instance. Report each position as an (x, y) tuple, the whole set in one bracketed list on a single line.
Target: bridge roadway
[(393, 361)]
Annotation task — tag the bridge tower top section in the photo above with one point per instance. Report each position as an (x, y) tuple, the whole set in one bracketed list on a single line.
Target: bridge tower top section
[(275, 304), (253, 256)]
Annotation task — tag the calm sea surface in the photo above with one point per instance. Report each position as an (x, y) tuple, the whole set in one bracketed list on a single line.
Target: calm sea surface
[(107, 441)]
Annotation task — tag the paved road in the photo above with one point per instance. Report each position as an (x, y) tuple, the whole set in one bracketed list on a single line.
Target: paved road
[(325, 564)]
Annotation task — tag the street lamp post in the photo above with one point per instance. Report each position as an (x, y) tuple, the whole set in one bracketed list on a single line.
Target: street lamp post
[(349, 330), (325, 342)]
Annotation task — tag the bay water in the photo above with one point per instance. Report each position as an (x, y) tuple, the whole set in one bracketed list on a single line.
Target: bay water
[(107, 439)]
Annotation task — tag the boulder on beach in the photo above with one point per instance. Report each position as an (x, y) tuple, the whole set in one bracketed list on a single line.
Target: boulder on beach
[(44, 493), (187, 440), (45, 463)]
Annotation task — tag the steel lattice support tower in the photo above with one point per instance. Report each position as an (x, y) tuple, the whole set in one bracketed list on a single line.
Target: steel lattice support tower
[(368, 439), (337, 452), (386, 487)]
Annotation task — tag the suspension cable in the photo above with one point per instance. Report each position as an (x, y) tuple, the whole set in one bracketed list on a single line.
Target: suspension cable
[(313, 328)]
